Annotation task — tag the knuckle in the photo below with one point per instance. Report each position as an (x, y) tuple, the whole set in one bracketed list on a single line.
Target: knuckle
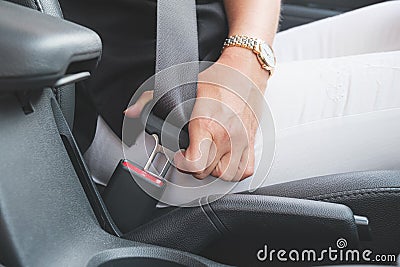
[(221, 134), (216, 128), (200, 176), (225, 178), (231, 173), (248, 172), (228, 175), (217, 173)]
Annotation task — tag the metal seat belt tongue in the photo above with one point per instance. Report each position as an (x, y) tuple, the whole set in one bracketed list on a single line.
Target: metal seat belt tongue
[(159, 149)]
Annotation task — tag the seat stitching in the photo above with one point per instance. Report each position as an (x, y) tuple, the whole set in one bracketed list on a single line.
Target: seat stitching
[(350, 194), (379, 189)]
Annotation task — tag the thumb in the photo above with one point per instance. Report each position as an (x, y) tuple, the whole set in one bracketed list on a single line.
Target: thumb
[(195, 158), (135, 110)]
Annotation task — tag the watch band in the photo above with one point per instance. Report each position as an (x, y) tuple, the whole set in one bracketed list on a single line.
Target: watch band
[(242, 41), (250, 43)]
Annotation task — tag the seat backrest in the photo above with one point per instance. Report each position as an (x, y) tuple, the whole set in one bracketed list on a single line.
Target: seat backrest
[(65, 95)]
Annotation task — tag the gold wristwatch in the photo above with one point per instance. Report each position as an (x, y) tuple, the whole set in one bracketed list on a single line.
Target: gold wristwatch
[(263, 51)]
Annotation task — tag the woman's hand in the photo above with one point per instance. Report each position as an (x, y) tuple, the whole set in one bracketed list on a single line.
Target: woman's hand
[(223, 125)]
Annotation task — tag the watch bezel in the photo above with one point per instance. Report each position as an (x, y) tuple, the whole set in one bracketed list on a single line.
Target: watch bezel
[(262, 57)]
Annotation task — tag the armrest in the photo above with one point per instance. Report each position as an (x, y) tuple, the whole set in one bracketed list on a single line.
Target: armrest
[(38, 50), (245, 218)]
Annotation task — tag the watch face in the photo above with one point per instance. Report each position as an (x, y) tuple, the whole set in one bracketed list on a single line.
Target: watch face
[(267, 55)]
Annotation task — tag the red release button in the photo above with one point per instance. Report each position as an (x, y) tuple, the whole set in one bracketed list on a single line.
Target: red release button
[(144, 174)]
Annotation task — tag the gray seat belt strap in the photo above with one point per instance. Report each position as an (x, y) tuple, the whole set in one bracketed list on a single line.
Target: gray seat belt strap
[(177, 43)]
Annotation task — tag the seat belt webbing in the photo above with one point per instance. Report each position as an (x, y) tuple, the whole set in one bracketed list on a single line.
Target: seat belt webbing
[(177, 42)]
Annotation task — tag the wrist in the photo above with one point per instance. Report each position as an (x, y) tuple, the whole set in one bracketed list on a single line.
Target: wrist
[(245, 61)]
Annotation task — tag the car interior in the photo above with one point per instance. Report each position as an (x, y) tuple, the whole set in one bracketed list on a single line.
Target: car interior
[(53, 214)]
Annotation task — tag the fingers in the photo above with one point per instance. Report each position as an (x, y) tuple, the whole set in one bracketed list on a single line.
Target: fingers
[(218, 146), (213, 157), (228, 167), (135, 110), (246, 166), (195, 159), (221, 145), (216, 154), (235, 165)]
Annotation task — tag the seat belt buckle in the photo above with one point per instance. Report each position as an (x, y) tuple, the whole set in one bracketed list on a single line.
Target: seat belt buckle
[(150, 180), (133, 192)]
